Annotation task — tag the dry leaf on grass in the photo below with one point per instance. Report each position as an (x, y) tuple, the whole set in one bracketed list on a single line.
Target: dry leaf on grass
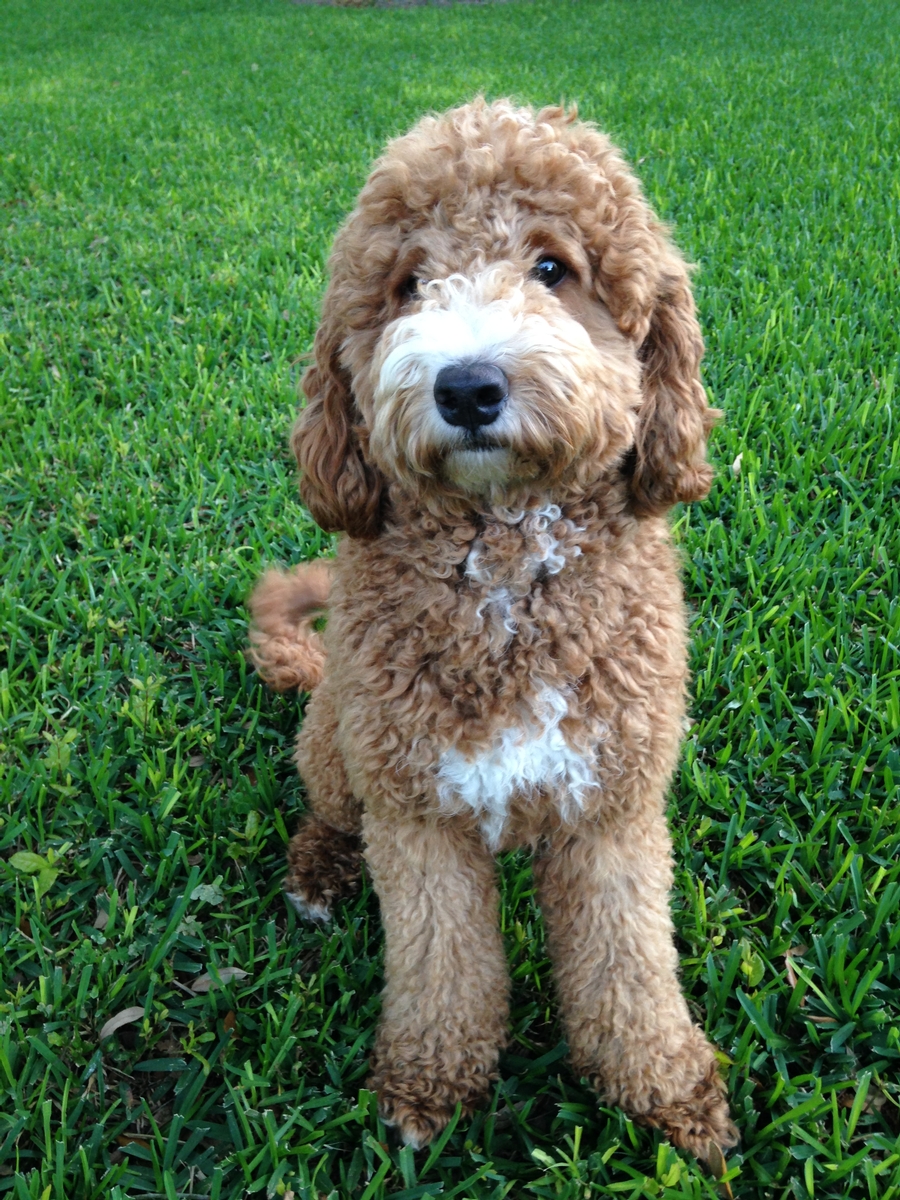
[(719, 1167), (205, 982), (126, 1017), (127, 1139)]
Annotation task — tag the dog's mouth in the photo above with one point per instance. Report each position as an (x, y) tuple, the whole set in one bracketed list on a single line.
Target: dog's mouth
[(476, 440), (478, 465)]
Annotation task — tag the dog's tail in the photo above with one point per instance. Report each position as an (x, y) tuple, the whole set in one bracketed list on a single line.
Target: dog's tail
[(284, 645)]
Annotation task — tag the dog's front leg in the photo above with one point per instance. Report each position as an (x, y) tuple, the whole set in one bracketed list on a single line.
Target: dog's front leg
[(604, 891), (445, 999)]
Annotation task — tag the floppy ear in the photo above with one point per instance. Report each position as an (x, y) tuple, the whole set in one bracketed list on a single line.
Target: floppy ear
[(669, 458), (339, 486)]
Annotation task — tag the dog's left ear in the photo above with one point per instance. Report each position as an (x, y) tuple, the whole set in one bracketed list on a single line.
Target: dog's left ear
[(669, 458)]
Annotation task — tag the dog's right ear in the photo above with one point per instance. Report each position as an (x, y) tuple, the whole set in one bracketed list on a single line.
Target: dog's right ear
[(339, 486)]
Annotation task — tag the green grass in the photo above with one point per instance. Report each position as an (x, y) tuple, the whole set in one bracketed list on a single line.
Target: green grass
[(170, 178)]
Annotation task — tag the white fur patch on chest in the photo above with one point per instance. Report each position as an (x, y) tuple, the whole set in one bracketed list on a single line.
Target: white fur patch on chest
[(522, 759)]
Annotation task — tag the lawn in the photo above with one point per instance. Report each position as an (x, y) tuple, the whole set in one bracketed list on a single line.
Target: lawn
[(171, 175)]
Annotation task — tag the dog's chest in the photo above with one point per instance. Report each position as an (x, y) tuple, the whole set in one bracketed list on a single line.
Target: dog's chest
[(525, 760), (528, 754)]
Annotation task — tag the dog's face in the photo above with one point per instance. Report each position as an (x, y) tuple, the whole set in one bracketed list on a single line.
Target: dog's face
[(505, 323), (501, 375)]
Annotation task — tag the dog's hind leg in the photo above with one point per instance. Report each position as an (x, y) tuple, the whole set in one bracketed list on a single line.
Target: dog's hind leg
[(604, 892), (325, 854), (445, 998)]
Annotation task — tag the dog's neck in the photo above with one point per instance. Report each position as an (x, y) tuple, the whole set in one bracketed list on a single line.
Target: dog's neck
[(516, 549), (495, 546)]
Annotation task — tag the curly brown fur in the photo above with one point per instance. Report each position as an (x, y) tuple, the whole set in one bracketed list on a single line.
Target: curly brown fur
[(507, 636)]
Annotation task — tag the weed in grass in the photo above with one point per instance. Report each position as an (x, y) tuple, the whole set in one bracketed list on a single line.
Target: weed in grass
[(166, 213)]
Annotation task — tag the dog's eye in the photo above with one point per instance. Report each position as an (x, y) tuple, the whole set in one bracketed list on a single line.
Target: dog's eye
[(549, 272), (408, 287)]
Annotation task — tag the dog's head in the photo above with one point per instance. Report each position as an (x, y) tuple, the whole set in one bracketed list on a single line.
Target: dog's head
[(506, 321)]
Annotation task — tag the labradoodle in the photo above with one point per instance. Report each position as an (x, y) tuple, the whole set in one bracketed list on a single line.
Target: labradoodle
[(504, 404)]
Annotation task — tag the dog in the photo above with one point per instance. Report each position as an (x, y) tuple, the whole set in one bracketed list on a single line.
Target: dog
[(504, 404)]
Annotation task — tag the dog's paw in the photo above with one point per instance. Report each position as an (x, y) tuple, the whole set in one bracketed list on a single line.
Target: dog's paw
[(319, 913), (700, 1123), (416, 1126), (324, 865), (419, 1104), (417, 1116)]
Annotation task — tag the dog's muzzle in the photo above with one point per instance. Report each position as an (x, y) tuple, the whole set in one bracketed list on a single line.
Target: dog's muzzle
[(471, 395)]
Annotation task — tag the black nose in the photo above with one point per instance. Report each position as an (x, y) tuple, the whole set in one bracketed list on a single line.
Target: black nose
[(470, 395)]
